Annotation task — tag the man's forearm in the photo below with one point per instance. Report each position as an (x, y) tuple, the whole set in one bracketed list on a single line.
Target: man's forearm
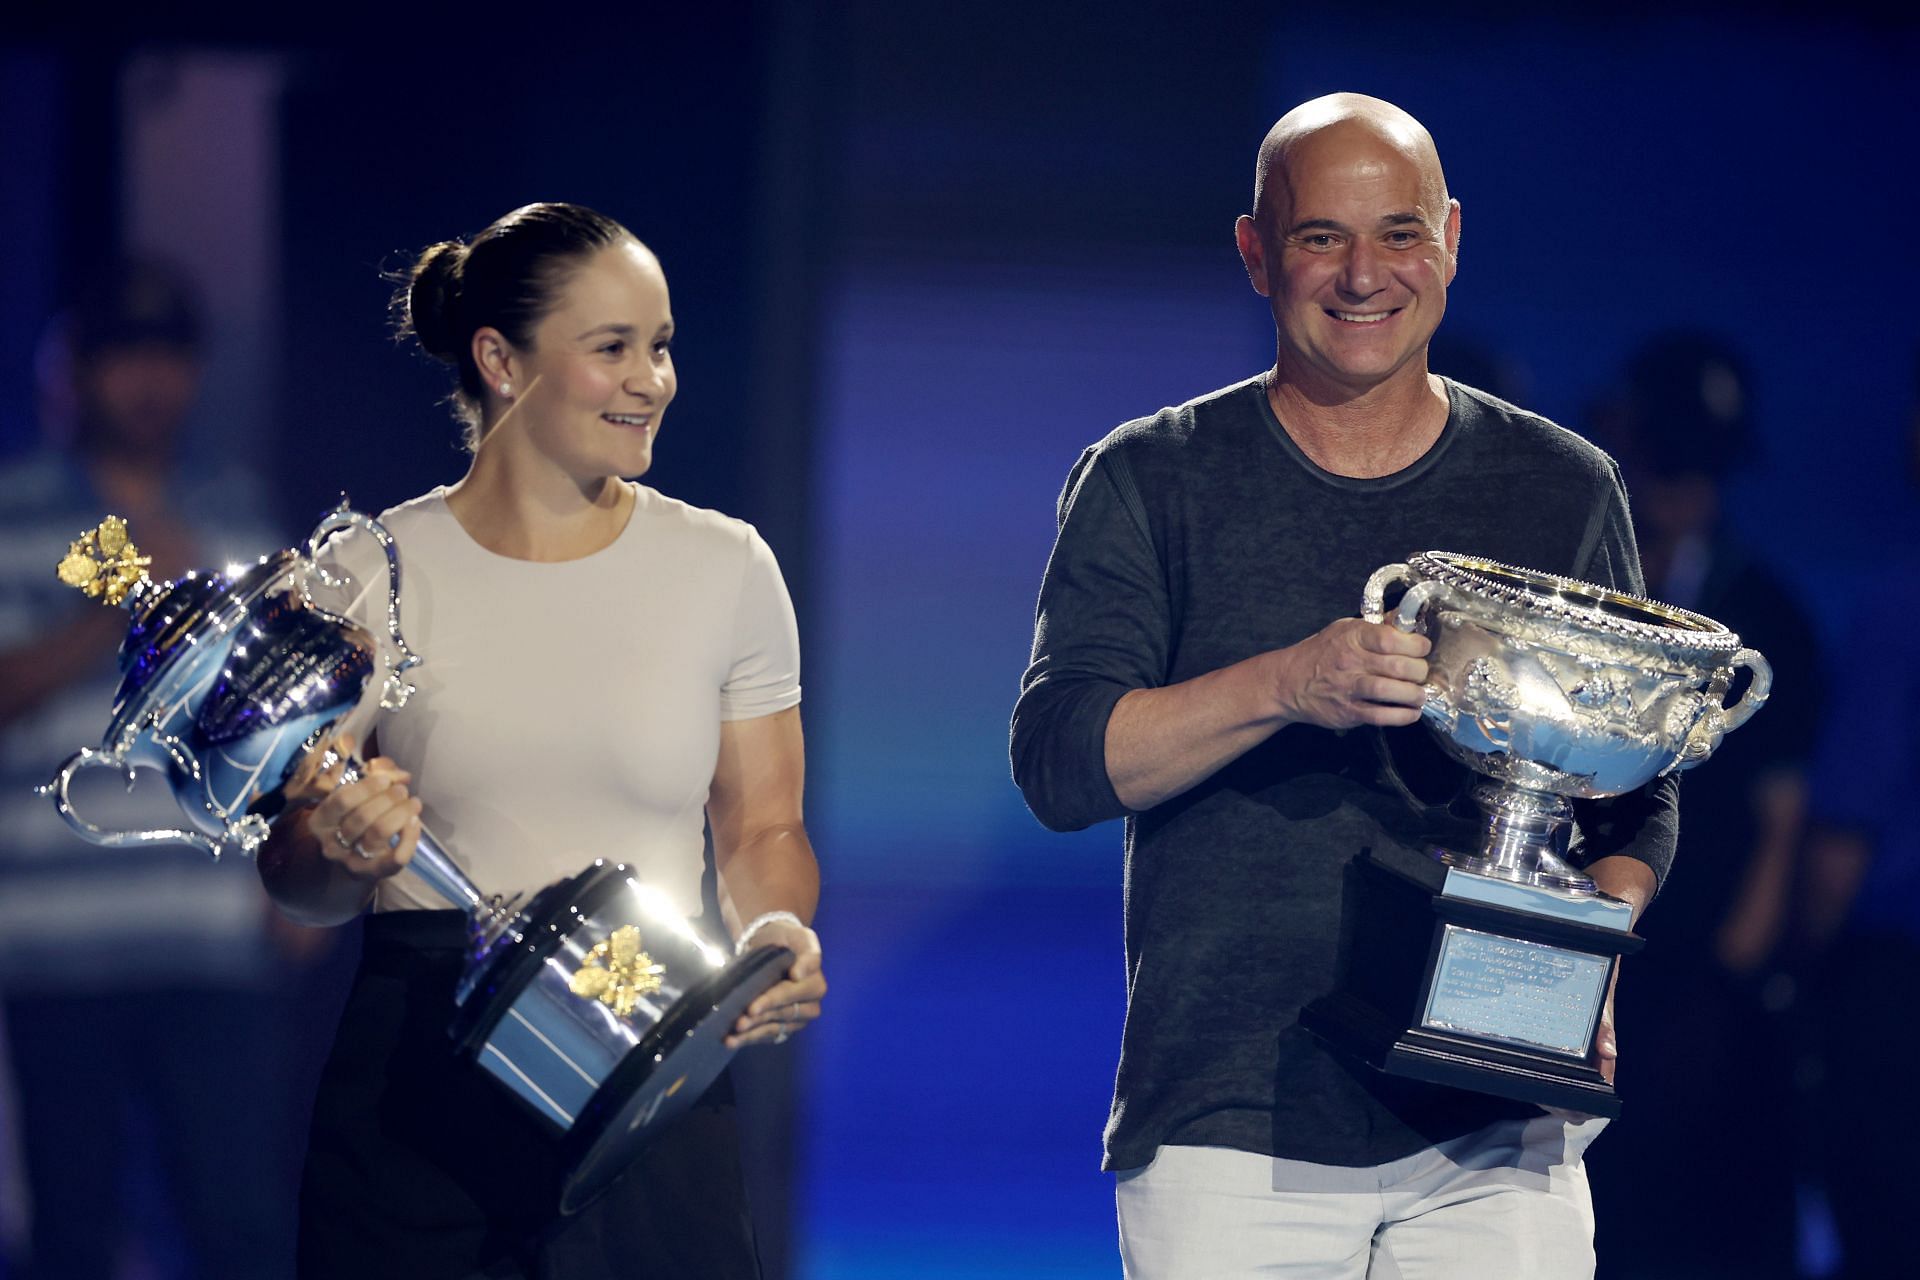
[(1836, 865), (1160, 742), (1629, 879), (1757, 918)]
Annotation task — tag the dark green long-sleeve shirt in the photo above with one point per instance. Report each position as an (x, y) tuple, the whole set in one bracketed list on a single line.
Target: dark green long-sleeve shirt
[(1190, 541)]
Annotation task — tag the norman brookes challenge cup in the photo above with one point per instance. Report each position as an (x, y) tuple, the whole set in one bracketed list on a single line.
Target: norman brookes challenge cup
[(597, 1004), (1489, 968)]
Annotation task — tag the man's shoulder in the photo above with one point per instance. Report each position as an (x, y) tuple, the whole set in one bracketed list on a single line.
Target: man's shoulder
[(1176, 428), (1524, 436)]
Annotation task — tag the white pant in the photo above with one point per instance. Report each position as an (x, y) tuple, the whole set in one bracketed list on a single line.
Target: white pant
[(1508, 1201)]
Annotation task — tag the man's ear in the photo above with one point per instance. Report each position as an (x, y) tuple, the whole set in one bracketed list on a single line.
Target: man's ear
[(1253, 253), (1453, 239)]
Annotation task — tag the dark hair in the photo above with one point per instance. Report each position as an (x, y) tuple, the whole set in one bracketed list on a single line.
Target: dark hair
[(505, 278), (133, 302)]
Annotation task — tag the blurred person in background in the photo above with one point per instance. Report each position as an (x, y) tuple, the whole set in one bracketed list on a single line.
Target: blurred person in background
[(140, 984), (1478, 364), (1707, 1137), (1862, 919)]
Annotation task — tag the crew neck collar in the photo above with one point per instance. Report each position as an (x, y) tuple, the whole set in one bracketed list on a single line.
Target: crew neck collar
[(1362, 484)]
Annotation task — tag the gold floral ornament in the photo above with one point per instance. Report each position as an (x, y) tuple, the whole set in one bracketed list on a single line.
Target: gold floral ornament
[(617, 972), (103, 564)]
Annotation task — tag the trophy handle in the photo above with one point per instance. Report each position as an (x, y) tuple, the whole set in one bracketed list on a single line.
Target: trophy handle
[(398, 689), (1412, 604), (1373, 600), (88, 758), (1756, 695), (1719, 721)]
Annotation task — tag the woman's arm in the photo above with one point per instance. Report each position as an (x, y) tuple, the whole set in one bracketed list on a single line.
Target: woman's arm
[(312, 864), (765, 864)]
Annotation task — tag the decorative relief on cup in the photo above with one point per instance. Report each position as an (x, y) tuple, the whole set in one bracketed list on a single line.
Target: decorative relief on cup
[(102, 563), (617, 972), (1491, 701)]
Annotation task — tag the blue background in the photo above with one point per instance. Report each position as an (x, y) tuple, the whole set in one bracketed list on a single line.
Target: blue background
[(922, 256)]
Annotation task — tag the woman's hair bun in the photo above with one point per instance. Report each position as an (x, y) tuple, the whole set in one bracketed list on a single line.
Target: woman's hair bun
[(433, 300), (506, 279)]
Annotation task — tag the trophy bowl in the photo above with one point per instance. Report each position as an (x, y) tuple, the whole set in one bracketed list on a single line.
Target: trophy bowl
[(1555, 689), (226, 679), (598, 1005)]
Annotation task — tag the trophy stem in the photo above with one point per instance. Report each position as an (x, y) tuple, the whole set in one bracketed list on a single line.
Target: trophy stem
[(487, 917), (1526, 835), (432, 863)]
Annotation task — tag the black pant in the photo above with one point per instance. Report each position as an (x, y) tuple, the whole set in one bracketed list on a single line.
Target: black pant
[(422, 1166)]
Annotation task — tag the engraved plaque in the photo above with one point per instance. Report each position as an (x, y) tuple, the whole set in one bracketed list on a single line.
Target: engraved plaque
[(1515, 990)]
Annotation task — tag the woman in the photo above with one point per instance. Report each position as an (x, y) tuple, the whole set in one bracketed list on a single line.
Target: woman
[(604, 667)]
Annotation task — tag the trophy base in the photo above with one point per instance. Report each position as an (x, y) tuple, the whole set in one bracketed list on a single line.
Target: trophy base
[(662, 1076), (606, 1069), (1474, 982), (1361, 1032)]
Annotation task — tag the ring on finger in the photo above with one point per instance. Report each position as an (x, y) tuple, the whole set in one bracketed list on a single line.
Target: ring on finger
[(362, 852), (340, 838)]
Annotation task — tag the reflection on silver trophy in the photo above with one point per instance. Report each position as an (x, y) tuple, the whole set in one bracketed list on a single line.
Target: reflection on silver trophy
[(1555, 688), (600, 1006), (1488, 968)]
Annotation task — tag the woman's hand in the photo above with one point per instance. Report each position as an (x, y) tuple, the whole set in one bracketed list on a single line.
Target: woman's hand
[(791, 1003), (367, 828)]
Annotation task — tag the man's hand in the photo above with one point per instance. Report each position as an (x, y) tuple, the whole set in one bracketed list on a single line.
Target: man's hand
[(1162, 741), (1631, 881), (1354, 673), (1606, 1046)]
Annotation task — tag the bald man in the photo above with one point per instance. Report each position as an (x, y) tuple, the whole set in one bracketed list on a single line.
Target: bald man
[(1198, 671)]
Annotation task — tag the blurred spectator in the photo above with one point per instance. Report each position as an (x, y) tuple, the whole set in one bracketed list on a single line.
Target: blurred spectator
[(1862, 922), (139, 984), (1478, 365), (1707, 1140)]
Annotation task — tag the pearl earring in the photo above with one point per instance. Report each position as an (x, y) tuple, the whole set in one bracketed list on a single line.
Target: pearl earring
[(506, 389)]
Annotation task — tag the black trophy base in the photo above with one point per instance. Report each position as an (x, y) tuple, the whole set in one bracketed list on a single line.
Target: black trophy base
[(1457, 980)]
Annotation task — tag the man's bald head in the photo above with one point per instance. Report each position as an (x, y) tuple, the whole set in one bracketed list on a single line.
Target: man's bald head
[(1353, 241), (1350, 123)]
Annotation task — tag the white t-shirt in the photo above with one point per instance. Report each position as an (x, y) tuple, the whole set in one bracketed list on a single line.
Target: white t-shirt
[(570, 711)]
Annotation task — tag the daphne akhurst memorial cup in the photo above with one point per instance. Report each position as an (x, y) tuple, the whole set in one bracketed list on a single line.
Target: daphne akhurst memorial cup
[(1488, 967), (596, 1003)]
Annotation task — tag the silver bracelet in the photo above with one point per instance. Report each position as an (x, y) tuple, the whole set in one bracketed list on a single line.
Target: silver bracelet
[(760, 922)]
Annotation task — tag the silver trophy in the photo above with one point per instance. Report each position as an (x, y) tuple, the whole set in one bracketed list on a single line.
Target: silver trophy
[(1489, 968), (596, 1003), (1556, 689)]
